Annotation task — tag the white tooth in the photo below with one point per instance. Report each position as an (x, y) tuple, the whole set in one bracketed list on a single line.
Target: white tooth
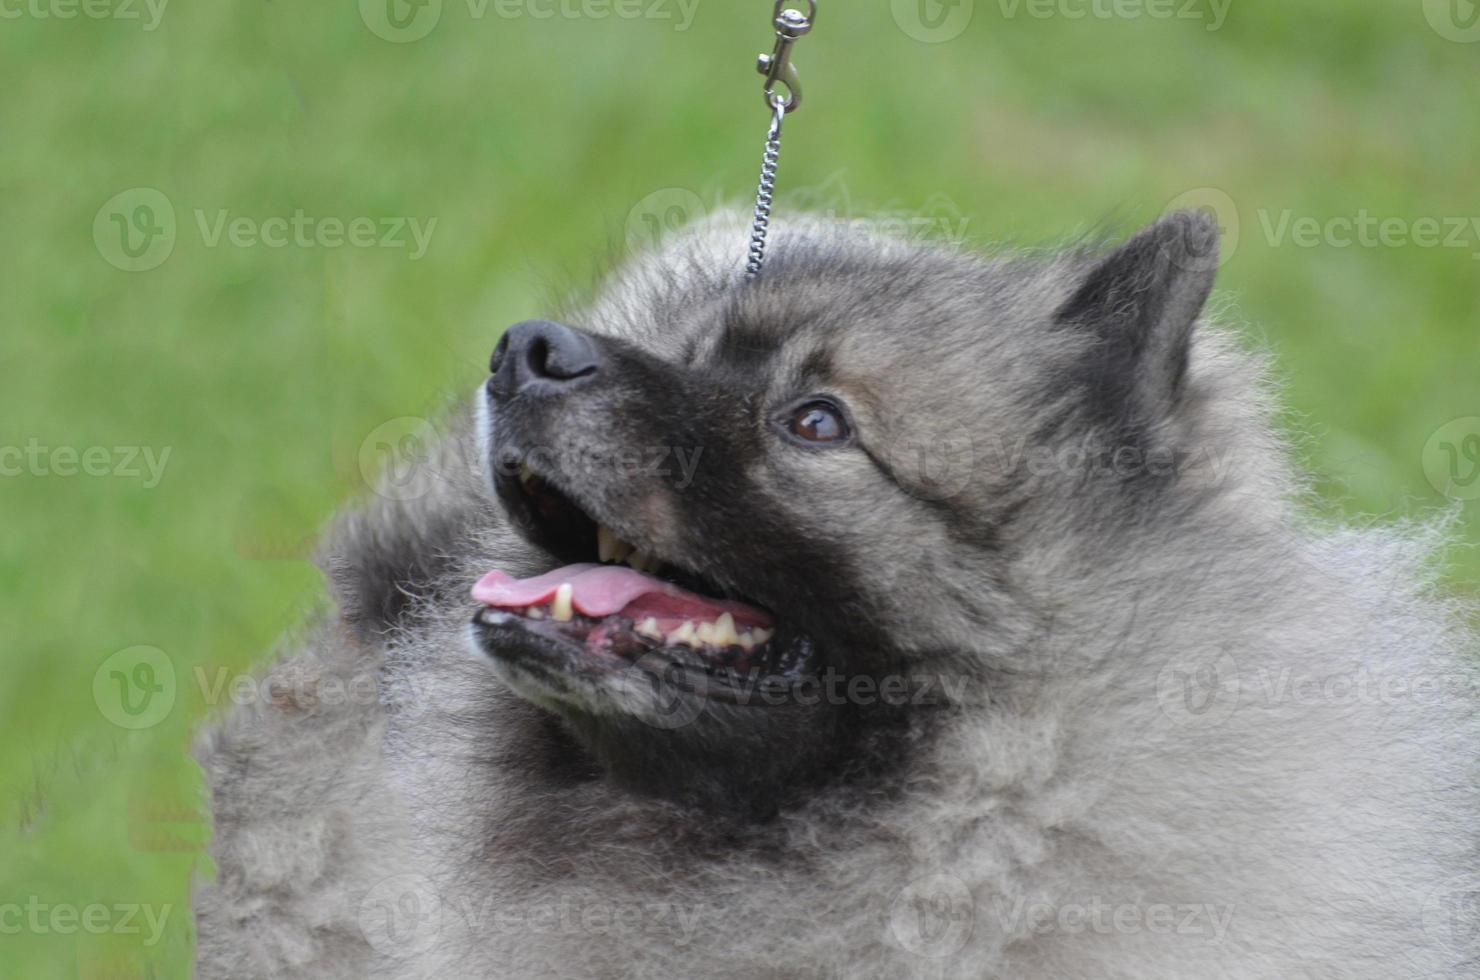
[(705, 633), (649, 628), (525, 474), (535, 612), (747, 640), (724, 631), (762, 635), (560, 608), (684, 634), (606, 544)]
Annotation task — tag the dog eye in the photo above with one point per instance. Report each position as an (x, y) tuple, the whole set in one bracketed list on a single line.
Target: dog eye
[(817, 422)]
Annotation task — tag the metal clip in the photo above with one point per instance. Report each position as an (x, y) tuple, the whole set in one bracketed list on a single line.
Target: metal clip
[(776, 66)]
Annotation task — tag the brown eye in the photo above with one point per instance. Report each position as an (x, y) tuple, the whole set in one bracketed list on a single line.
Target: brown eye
[(818, 422)]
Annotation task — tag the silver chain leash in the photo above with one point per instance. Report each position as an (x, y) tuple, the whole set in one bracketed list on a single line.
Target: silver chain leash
[(763, 195), (777, 67)]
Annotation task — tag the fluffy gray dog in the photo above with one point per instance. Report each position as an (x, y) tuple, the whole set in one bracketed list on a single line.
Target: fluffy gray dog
[(898, 613)]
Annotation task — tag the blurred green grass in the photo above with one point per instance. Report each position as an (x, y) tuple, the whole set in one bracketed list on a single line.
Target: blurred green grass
[(531, 141)]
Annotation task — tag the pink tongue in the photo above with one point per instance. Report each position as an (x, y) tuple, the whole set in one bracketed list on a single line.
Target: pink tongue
[(602, 590)]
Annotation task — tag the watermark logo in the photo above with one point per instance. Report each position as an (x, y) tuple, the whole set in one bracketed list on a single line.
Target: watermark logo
[(671, 696), (401, 916), (932, 465), (401, 21), (135, 230), (660, 214), (395, 458), (1454, 20), (1451, 459), (1198, 689), (135, 687), (932, 21), (1451, 916), (933, 916), (1221, 208)]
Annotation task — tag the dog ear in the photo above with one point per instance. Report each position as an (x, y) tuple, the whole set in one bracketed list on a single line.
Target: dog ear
[(1141, 302)]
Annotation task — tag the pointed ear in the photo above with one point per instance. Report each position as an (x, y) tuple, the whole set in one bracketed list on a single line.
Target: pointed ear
[(1140, 303)]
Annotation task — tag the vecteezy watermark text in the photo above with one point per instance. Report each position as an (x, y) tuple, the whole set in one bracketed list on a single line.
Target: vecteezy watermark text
[(404, 914), (96, 918), (1366, 230), (675, 465), (1101, 917), (1213, 12), (302, 230), (125, 462), (403, 21), (148, 12), (135, 230)]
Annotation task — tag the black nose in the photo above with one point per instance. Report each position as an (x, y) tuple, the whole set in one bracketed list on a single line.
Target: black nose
[(539, 352)]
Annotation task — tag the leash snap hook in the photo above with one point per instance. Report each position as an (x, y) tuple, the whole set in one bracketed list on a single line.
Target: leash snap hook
[(791, 24)]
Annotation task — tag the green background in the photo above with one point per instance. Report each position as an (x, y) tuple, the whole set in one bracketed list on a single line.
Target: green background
[(272, 375)]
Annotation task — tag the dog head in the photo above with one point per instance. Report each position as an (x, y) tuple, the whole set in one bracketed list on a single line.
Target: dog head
[(770, 503)]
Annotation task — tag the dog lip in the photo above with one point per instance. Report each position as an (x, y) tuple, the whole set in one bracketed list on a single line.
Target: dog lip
[(559, 653), (551, 645)]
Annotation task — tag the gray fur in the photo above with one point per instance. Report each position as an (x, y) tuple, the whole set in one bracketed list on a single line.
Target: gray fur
[(1073, 813)]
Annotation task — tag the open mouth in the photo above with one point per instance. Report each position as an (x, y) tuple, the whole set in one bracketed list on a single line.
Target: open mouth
[(616, 604)]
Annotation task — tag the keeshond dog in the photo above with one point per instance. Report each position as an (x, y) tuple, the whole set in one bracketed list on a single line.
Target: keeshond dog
[(899, 612)]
